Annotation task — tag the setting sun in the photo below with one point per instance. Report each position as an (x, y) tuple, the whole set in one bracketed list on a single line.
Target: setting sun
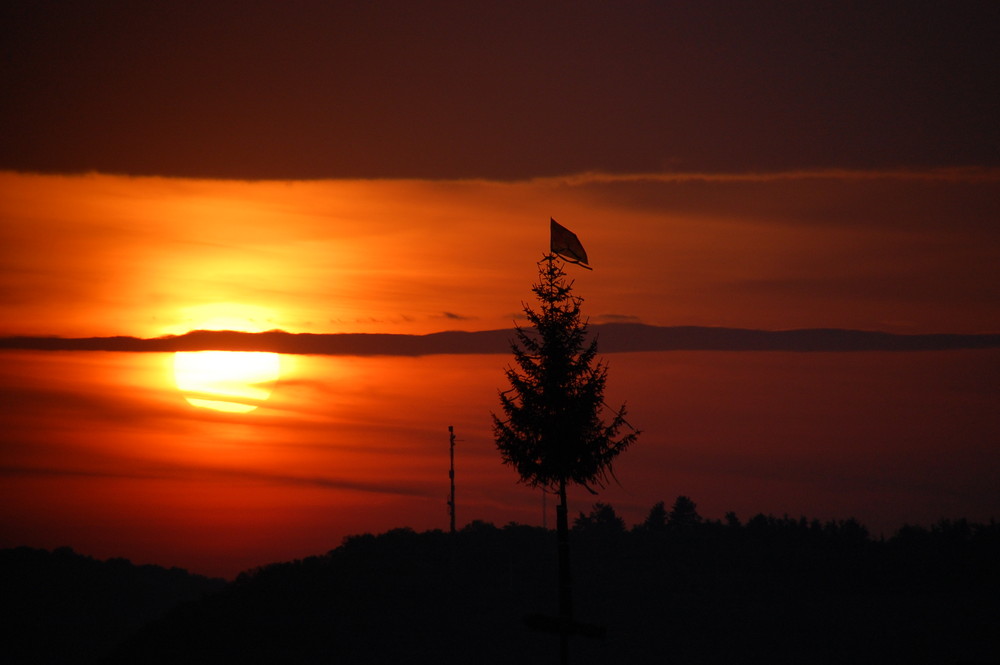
[(231, 381)]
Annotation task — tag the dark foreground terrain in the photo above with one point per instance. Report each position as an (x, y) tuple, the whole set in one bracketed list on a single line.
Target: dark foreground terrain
[(673, 590), (63, 607)]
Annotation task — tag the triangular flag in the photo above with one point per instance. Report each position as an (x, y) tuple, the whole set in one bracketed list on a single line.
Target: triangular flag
[(565, 243)]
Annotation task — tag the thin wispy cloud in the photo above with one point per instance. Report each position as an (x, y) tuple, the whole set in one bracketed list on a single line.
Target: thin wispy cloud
[(161, 472), (452, 316), (952, 174)]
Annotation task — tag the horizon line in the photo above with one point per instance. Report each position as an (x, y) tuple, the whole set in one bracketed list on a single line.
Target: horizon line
[(618, 337)]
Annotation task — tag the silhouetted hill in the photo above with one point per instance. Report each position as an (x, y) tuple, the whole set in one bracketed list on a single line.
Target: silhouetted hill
[(62, 607), (614, 337), (676, 589)]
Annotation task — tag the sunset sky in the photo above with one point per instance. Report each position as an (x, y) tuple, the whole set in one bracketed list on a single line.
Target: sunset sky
[(392, 167)]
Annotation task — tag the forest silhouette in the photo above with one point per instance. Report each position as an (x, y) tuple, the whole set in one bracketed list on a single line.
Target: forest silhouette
[(674, 588)]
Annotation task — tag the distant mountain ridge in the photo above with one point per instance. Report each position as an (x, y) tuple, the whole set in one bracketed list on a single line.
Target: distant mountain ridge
[(613, 338)]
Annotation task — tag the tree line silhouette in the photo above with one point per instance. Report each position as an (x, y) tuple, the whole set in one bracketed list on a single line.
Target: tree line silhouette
[(675, 587), (63, 607)]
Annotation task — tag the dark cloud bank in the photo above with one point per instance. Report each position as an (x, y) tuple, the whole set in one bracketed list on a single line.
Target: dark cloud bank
[(496, 89), (612, 338)]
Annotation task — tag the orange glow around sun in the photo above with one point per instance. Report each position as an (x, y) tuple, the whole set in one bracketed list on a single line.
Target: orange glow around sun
[(229, 381)]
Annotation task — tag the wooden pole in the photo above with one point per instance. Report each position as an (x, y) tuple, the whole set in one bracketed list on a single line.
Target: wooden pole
[(565, 578)]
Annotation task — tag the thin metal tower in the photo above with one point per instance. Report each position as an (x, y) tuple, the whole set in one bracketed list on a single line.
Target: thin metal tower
[(451, 475)]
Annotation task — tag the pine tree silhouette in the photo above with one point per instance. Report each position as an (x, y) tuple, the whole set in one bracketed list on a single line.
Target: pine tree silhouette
[(553, 432)]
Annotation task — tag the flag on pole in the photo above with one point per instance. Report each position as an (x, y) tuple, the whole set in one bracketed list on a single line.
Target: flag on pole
[(565, 243)]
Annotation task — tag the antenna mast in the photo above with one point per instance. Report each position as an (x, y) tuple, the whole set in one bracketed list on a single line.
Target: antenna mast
[(451, 475)]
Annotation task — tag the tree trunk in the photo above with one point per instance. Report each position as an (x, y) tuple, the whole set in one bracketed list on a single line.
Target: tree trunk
[(565, 578)]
